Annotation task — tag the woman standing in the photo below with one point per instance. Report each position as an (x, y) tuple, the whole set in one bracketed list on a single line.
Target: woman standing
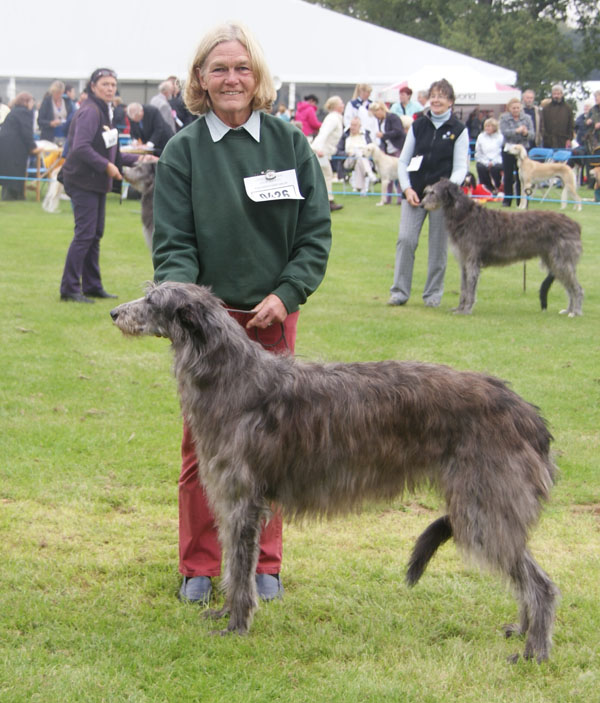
[(516, 127), (391, 136), (436, 146), (239, 205), (326, 142), (16, 144), (53, 114), (93, 161), (488, 155)]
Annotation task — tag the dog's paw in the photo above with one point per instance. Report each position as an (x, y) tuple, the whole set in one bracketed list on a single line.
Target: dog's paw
[(512, 629), (215, 614)]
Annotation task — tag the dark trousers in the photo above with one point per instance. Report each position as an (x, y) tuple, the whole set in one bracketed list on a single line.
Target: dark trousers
[(490, 177), (509, 166), (82, 267)]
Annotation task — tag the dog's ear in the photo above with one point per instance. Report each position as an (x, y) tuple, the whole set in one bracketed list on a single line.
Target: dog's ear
[(191, 315)]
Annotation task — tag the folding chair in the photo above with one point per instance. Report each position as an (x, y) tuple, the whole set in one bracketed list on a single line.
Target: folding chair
[(559, 156), (538, 153)]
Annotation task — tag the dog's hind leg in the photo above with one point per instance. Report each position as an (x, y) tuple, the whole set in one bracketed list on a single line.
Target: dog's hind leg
[(537, 595), (566, 275), (239, 535)]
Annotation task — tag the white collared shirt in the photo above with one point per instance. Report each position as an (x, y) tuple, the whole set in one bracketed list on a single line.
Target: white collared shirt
[(218, 129)]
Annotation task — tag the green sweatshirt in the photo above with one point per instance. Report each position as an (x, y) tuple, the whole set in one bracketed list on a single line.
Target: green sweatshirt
[(208, 231)]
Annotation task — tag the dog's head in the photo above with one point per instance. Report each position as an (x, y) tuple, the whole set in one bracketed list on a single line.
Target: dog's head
[(141, 175), (517, 150), (370, 149), (171, 310), (444, 194)]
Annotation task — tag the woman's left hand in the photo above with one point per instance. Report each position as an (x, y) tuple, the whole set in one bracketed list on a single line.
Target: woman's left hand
[(270, 310), (113, 171)]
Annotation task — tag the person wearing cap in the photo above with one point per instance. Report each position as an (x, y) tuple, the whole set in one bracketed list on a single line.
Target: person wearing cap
[(92, 162)]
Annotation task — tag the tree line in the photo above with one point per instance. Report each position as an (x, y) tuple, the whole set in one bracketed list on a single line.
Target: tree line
[(544, 42)]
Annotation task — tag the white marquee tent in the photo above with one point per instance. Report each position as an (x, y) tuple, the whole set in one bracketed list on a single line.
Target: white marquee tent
[(304, 43), (471, 86)]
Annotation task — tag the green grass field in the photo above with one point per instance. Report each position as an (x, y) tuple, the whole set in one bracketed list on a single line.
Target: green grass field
[(89, 461)]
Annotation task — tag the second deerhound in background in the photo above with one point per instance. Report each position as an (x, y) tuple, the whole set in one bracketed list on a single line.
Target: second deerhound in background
[(481, 237)]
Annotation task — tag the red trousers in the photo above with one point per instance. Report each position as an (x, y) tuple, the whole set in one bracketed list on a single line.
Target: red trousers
[(199, 548)]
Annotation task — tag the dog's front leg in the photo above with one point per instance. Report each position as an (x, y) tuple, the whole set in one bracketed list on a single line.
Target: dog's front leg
[(384, 191), (470, 277), (240, 534), (463, 290), (526, 193)]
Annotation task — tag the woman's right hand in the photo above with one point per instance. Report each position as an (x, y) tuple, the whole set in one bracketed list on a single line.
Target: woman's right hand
[(411, 197), (113, 171)]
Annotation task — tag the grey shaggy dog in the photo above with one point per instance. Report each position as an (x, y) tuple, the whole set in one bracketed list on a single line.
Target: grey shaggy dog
[(319, 439), (483, 237), (141, 176)]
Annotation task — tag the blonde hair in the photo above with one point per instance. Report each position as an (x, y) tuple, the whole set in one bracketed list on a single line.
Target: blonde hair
[(492, 121), (512, 101), (57, 86), (378, 105), (359, 87), (332, 102), (197, 99)]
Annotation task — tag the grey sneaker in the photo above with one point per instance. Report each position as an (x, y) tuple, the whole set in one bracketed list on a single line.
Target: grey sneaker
[(195, 589), (269, 587), (396, 301)]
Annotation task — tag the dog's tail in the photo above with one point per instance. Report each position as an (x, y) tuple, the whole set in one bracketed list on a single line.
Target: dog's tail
[(427, 545), (544, 288)]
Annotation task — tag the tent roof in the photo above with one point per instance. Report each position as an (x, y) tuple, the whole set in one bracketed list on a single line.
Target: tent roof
[(304, 43)]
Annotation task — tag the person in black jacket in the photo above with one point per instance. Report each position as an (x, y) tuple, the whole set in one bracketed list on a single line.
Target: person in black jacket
[(149, 127), (92, 163), (436, 146), (16, 143)]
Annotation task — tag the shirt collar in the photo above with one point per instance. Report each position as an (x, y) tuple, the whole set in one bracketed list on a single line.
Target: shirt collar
[(218, 129)]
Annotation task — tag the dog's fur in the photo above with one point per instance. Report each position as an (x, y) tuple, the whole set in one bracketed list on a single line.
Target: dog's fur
[(141, 176), (321, 438), (532, 172), (483, 237), (386, 166)]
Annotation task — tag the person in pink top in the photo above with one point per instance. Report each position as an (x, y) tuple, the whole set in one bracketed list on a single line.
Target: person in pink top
[(306, 113)]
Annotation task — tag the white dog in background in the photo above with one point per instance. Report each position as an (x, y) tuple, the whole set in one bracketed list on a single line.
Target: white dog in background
[(533, 172), (386, 166)]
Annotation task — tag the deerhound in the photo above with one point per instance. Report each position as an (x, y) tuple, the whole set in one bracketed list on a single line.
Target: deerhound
[(483, 237), (532, 172), (320, 438), (141, 176)]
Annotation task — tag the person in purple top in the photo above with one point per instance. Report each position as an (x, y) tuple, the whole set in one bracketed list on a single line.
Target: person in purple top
[(93, 161)]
